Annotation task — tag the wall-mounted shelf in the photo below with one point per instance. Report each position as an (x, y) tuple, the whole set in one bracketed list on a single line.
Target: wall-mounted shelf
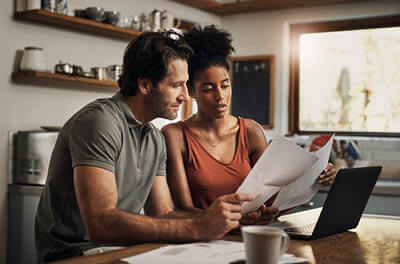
[(86, 25), (77, 23), (247, 6), (48, 78)]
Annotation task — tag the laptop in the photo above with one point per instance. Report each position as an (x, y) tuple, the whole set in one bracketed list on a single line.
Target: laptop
[(342, 209)]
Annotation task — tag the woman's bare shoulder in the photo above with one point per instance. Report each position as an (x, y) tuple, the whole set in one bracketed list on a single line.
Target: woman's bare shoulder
[(252, 126)]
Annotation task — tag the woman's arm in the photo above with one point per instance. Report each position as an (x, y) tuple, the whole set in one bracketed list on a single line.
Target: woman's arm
[(256, 139), (176, 175)]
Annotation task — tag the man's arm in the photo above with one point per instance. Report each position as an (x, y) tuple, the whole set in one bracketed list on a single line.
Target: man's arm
[(96, 194), (159, 202)]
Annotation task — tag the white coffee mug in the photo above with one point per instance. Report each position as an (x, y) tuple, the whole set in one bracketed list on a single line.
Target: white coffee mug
[(264, 244)]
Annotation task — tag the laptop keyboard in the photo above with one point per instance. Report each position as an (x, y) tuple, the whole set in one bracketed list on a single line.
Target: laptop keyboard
[(301, 229)]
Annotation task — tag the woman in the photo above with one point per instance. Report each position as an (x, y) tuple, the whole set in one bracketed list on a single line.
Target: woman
[(212, 152)]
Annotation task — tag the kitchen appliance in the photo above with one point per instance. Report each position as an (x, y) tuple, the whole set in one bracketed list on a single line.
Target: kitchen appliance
[(33, 152), (33, 59), (23, 201)]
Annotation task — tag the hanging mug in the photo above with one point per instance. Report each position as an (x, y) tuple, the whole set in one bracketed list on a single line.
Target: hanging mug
[(168, 21)]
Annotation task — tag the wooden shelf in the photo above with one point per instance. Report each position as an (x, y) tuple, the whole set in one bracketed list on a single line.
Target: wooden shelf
[(70, 22), (51, 79), (86, 25), (258, 5)]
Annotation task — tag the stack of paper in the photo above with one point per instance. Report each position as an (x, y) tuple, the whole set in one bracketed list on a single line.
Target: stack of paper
[(287, 168), (214, 252)]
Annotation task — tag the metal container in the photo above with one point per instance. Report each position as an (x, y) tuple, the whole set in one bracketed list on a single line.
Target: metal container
[(98, 73), (113, 72), (63, 68)]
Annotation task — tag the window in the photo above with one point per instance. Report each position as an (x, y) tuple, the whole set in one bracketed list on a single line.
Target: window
[(345, 77)]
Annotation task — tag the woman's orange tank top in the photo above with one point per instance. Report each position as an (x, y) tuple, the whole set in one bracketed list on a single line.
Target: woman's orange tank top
[(209, 178)]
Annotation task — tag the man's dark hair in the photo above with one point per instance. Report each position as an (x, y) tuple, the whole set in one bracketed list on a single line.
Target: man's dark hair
[(148, 57), (212, 47)]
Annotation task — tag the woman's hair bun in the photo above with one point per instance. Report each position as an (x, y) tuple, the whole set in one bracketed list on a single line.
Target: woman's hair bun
[(210, 42)]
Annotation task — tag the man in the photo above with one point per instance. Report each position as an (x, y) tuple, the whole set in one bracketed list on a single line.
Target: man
[(109, 162)]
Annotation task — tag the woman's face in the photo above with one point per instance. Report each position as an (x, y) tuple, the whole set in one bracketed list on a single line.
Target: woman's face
[(212, 91)]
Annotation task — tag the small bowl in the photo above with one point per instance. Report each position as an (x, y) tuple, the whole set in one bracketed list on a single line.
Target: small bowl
[(111, 17), (80, 13), (95, 13)]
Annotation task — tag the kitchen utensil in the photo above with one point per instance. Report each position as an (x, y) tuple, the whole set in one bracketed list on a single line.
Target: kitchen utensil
[(64, 68), (168, 21), (95, 13), (33, 59), (144, 23), (98, 72), (113, 72), (155, 20), (111, 17), (135, 23), (87, 74), (80, 13), (77, 70)]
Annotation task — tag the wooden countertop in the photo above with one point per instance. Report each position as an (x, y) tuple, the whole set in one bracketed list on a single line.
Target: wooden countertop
[(375, 240)]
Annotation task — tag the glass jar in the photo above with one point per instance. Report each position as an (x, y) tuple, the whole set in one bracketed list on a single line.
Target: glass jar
[(33, 59)]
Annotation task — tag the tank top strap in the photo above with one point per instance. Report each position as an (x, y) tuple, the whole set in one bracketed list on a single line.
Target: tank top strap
[(243, 139), (189, 138)]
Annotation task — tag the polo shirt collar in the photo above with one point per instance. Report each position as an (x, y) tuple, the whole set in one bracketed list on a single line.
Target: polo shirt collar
[(130, 117)]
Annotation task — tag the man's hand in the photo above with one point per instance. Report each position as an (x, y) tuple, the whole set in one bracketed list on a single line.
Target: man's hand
[(222, 216), (327, 176)]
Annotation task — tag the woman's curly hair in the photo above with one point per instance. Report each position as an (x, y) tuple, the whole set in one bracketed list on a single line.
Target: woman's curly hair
[(212, 47)]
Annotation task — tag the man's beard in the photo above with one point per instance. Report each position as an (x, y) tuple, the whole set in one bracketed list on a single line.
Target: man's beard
[(158, 106)]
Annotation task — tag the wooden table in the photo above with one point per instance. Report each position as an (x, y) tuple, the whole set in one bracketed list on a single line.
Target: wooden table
[(375, 240)]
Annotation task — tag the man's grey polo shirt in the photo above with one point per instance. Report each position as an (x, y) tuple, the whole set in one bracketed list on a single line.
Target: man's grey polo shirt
[(103, 134)]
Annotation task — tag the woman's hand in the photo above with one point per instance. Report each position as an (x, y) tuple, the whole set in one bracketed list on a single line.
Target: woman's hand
[(327, 176), (263, 216)]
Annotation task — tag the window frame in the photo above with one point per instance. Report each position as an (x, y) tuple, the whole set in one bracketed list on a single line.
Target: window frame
[(296, 30)]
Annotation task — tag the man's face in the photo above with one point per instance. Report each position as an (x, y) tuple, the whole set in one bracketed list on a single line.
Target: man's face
[(165, 99)]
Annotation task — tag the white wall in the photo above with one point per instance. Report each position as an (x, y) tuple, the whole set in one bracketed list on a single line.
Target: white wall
[(268, 33), (24, 107)]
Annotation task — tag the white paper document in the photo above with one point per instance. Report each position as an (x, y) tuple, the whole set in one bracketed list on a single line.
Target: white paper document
[(282, 163), (304, 188), (214, 252)]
